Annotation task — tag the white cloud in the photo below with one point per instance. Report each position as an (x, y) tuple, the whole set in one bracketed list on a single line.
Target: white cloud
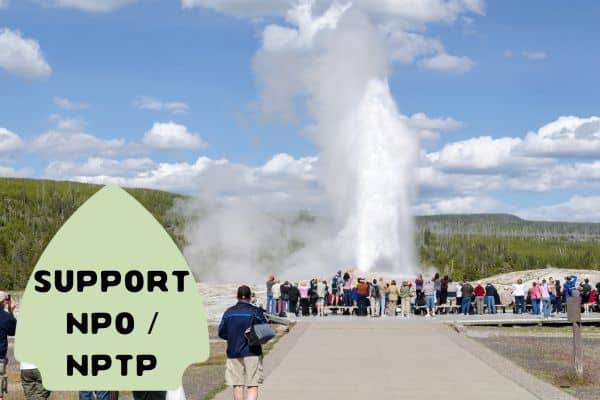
[(535, 55), (169, 135), (568, 136), (151, 103), (9, 172), (90, 5), (66, 104), (68, 140), (577, 208), (243, 8), (405, 47), (429, 128), (10, 142), (459, 205), (447, 63), (4, 3), (98, 166), (21, 56)]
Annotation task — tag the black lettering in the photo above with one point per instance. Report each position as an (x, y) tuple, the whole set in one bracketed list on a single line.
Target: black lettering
[(124, 323), (74, 322), (108, 279), (86, 278), (100, 320), (157, 279), (100, 362), (45, 285), (124, 358), (68, 285), (74, 365), (145, 362), (132, 276), (180, 275)]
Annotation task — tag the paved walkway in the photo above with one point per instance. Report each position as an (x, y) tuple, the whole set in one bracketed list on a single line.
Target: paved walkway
[(368, 359)]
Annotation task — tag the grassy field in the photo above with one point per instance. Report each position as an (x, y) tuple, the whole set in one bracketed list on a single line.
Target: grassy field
[(547, 354)]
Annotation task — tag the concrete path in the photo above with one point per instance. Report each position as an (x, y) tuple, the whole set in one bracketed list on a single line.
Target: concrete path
[(366, 359)]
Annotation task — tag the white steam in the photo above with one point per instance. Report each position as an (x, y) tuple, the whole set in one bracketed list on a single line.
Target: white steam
[(337, 65)]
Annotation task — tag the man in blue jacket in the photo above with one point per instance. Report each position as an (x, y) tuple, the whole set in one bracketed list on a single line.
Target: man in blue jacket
[(244, 362), (569, 285)]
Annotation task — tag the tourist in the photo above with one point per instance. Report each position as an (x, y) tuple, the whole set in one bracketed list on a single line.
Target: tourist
[(382, 296), (362, 293), (444, 290), (393, 296), (552, 291), (8, 325), (336, 287), (405, 295), (93, 394), (490, 298), (459, 295), (31, 381), (590, 300), (285, 297), (570, 284), (347, 289), (467, 292), (293, 298), (304, 299), (452, 294), (419, 284), (429, 292), (244, 362), (535, 296), (479, 292), (374, 298), (276, 293), (437, 285), (558, 292), (270, 304), (519, 293), (545, 296), (321, 294)]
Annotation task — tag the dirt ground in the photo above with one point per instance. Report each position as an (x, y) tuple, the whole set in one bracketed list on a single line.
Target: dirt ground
[(199, 381), (547, 354)]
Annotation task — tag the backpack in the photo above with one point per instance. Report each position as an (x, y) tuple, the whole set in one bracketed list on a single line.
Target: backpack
[(374, 291)]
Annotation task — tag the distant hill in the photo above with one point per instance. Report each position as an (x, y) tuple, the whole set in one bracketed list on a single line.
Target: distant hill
[(32, 211), (506, 225), (466, 246)]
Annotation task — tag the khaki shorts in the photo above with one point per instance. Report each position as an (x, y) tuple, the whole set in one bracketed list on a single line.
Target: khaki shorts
[(245, 371)]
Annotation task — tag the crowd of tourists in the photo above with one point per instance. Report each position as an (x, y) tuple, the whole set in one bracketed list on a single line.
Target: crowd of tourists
[(347, 294)]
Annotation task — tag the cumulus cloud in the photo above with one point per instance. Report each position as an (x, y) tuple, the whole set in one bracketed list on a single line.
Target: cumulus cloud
[(69, 140), (154, 104), (429, 128), (172, 136), (535, 55), (21, 56), (459, 205), (65, 104), (568, 136), (447, 63), (10, 142), (98, 6), (406, 47), (577, 208)]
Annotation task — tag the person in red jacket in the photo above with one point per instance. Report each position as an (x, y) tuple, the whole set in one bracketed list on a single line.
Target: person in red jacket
[(479, 292)]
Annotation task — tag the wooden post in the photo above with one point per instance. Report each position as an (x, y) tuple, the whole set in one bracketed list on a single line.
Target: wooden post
[(574, 316), (577, 350)]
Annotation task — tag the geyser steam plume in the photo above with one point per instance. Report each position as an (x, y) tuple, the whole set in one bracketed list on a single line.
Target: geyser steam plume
[(338, 62)]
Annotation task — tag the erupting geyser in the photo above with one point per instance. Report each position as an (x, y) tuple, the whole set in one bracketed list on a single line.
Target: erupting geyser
[(339, 62)]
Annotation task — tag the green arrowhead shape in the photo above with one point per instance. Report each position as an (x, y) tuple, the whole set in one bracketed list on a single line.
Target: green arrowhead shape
[(112, 231)]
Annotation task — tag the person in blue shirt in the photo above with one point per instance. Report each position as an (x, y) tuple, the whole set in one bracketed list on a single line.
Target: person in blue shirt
[(569, 285), (244, 362)]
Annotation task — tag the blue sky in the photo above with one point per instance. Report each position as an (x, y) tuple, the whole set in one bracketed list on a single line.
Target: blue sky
[(520, 67)]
